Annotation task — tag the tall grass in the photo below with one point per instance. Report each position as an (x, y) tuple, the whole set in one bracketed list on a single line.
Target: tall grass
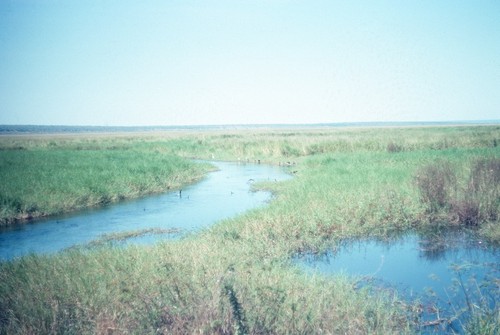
[(237, 276), (271, 145), (46, 182), (186, 287)]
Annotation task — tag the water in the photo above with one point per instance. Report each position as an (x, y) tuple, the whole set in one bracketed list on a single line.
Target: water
[(440, 271), (41, 129), (222, 194)]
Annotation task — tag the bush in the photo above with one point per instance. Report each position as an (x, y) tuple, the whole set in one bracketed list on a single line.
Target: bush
[(435, 183), (481, 199), (475, 203), (394, 147)]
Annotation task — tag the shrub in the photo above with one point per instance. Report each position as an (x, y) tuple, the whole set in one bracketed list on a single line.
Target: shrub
[(394, 147), (466, 211), (435, 183), (475, 203), (481, 199)]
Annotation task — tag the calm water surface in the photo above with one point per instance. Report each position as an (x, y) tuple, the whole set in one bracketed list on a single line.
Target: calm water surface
[(222, 194), (439, 270)]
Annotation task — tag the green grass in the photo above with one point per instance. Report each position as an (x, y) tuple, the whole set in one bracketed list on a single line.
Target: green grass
[(238, 276), (161, 290), (271, 145), (47, 182)]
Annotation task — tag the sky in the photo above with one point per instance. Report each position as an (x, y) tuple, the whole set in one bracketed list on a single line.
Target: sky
[(139, 63)]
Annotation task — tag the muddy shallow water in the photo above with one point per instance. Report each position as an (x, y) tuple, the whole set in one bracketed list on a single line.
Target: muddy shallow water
[(221, 194), (445, 273)]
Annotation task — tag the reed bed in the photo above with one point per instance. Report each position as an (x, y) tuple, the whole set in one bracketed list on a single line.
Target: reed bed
[(46, 182), (238, 276)]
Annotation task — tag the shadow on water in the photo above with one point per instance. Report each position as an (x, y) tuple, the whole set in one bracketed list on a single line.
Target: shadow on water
[(445, 275), (224, 193)]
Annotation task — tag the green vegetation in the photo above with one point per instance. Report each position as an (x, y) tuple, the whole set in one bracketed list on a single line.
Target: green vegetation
[(238, 276), (41, 182)]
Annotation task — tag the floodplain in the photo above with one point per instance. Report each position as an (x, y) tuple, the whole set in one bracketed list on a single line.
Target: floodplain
[(238, 276)]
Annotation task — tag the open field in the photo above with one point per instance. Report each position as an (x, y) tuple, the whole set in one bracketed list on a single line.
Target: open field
[(237, 276)]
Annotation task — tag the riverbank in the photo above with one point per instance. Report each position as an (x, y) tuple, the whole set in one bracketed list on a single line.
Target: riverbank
[(237, 276), (221, 194), (39, 182)]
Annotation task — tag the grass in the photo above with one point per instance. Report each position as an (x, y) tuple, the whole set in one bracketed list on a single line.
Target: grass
[(270, 145), (159, 290), (237, 276), (46, 182)]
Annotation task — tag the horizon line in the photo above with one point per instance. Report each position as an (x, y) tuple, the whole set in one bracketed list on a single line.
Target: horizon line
[(62, 128)]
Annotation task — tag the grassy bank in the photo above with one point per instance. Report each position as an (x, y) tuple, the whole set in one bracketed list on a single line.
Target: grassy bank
[(41, 182), (237, 276)]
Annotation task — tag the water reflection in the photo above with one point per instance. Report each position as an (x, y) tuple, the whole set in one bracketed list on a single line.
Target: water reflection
[(222, 194), (446, 272), (436, 246)]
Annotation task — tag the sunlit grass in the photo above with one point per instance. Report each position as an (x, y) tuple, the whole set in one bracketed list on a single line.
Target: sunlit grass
[(238, 275), (46, 182)]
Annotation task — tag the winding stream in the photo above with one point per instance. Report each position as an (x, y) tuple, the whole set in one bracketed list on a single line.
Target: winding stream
[(444, 273), (221, 194)]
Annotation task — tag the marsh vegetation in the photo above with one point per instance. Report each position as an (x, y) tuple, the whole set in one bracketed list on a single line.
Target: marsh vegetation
[(221, 194), (41, 182), (238, 276)]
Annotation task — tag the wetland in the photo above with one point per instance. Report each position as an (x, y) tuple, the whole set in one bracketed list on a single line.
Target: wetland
[(446, 274), (240, 275), (222, 194)]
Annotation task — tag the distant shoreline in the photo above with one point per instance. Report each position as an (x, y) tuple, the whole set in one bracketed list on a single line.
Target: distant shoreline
[(63, 129)]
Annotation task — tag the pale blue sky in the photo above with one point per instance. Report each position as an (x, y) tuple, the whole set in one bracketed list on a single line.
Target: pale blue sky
[(107, 62)]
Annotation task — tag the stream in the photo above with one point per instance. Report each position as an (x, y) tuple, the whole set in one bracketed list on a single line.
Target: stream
[(222, 194), (447, 274)]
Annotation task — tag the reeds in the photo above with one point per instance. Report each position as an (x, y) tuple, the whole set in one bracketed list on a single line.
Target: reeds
[(237, 275), (47, 182)]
